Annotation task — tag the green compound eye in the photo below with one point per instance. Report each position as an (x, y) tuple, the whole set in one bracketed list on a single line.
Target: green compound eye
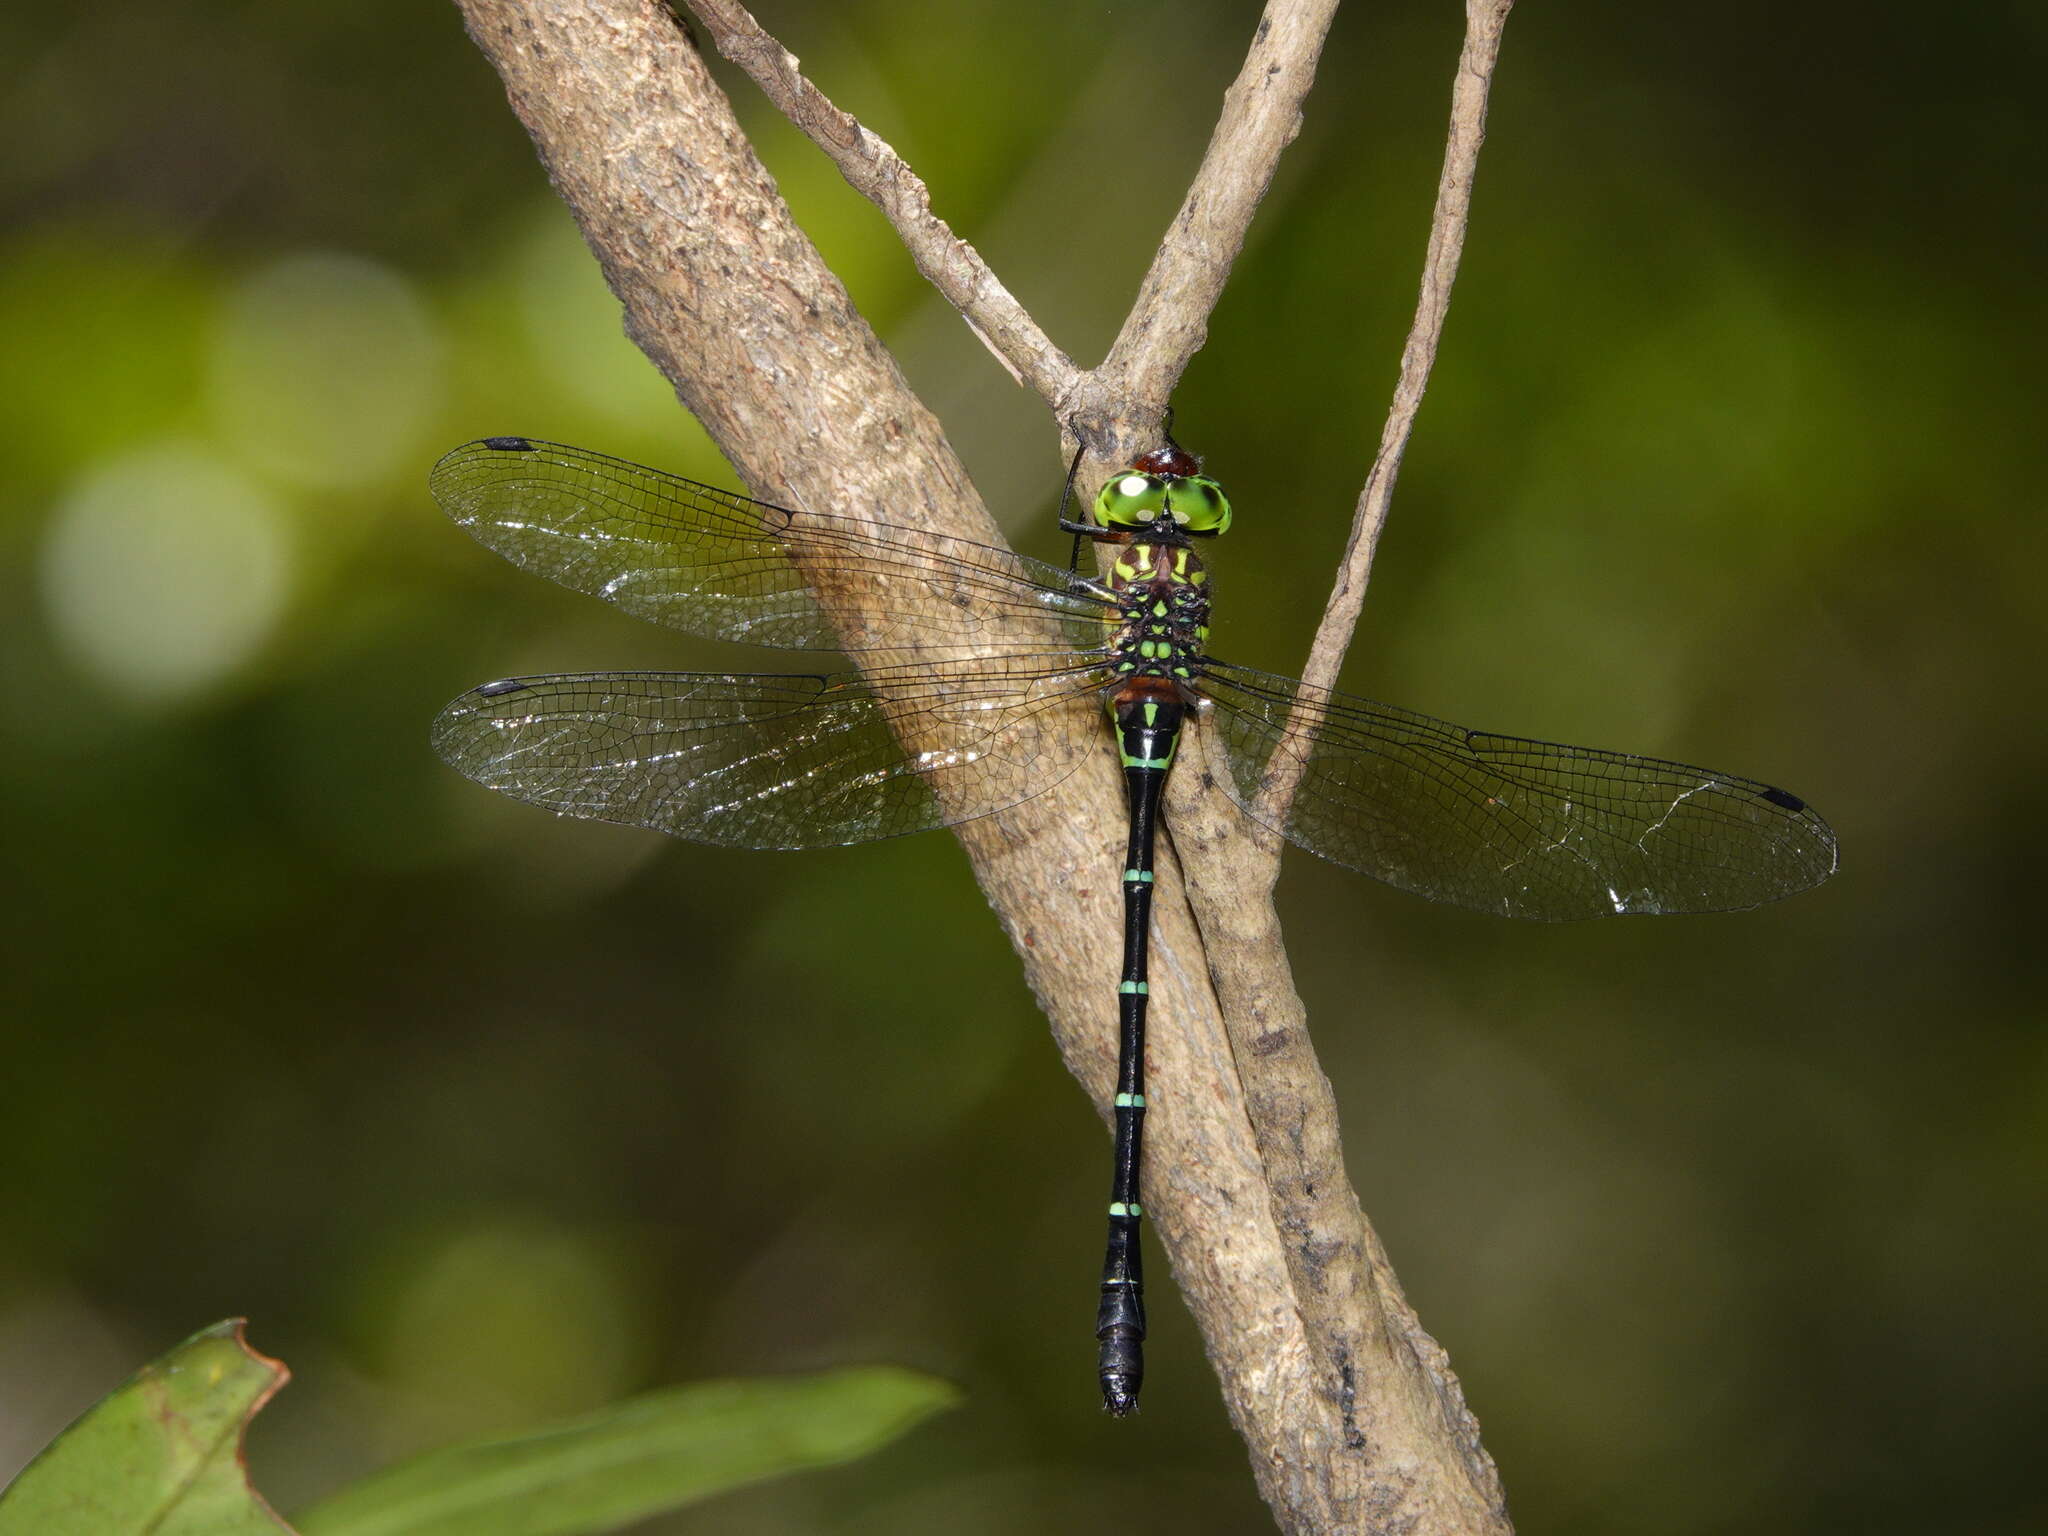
[(1198, 504), (1131, 500)]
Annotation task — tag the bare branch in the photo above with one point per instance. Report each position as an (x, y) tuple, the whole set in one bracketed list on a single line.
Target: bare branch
[(1390, 1442), (879, 174), (1261, 115)]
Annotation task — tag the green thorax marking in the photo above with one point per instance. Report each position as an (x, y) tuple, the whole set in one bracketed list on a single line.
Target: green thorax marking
[(1164, 610)]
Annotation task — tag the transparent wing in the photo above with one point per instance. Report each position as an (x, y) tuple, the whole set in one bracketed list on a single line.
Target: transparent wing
[(772, 761), (714, 563), (1505, 825)]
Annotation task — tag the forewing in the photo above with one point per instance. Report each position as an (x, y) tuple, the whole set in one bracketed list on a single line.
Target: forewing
[(714, 563), (763, 762), (1502, 824)]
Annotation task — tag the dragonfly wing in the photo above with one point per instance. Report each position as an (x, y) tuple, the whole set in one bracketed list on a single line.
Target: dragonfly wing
[(759, 762), (715, 563), (1506, 825)]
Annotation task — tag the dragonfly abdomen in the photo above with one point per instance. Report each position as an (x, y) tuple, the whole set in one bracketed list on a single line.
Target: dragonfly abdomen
[(1148, 712)]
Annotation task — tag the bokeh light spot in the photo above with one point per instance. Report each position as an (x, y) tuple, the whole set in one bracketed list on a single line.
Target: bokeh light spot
[(325, 370), (503, 1319), (163, 571)]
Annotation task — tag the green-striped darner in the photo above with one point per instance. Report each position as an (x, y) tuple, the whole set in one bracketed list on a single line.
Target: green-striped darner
[(961, 721)]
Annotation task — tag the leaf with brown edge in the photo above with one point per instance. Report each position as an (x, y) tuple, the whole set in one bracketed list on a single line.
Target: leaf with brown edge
[(160, 1454)]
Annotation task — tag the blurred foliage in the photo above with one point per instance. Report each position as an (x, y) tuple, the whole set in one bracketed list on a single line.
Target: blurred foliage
[(1733, 455), (162, 1454), (609, 1470)]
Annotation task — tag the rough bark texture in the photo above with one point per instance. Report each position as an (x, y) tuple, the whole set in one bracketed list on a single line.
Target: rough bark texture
[(1351, 1416)]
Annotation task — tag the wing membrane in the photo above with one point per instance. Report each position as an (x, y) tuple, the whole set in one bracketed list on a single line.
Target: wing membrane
[(714, 563), (1506, 825), (769, 761)]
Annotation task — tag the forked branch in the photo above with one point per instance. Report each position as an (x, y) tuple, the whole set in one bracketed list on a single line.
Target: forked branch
[(1169, 319)]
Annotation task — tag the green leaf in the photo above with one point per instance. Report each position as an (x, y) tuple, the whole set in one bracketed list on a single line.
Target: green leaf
[(162, 1454), (635, 1459)]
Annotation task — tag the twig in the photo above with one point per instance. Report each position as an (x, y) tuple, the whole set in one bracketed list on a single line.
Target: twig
[(873, 169)]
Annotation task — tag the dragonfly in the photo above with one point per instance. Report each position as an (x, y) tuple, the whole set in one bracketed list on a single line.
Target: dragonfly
[(975, 665)]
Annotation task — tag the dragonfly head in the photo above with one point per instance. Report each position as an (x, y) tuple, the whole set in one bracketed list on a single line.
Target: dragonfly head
[(1162, 490)]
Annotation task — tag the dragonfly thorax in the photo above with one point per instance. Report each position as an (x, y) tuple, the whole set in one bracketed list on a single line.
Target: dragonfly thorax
[(1163, 602)]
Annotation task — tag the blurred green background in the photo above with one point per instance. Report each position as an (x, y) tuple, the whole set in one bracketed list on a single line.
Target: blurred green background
[(1734, 455)]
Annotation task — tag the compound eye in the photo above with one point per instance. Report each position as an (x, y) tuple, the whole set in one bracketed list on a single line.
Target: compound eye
[(1131, 500), (1198, 504)]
